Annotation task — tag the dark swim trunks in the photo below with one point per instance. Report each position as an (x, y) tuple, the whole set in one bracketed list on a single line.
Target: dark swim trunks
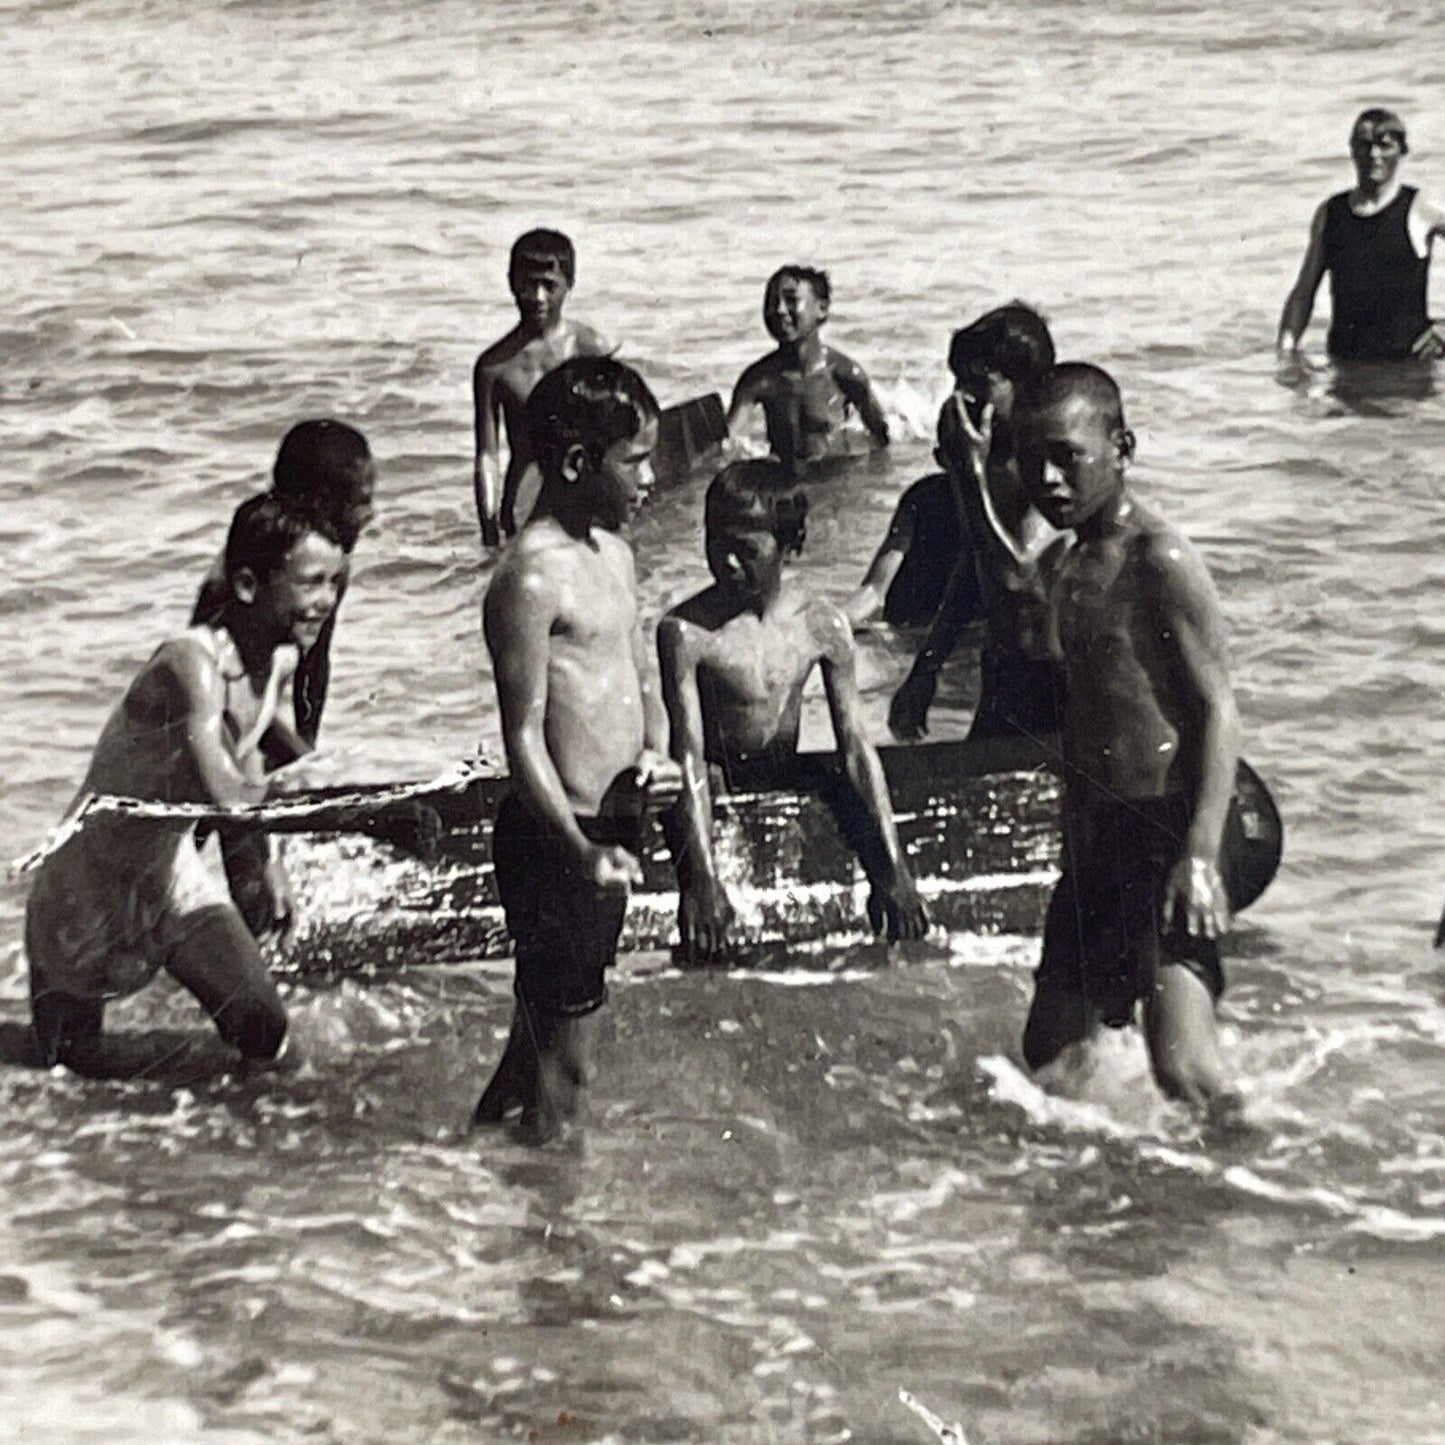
[(1102, 936), (565, 929)]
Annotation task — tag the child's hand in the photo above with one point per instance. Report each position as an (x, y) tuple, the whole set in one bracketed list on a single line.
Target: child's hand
[(1196, 891), (613, 869), (659, 777), (705, 915), (897, 910)]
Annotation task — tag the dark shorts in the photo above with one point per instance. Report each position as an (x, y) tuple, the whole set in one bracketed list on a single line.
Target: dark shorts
[(1102, 935), (564, 928)]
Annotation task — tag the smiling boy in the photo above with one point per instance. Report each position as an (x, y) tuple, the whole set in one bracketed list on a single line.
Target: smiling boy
[(126, 896), (540, 274), (1151, 747), (734, 661), (804, 387), (1375, 242), (581, 726)]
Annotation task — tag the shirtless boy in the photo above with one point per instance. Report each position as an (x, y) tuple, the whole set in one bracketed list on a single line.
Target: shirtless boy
[(1375, 242), (1008, 551), (734, 661), (1151, 746), (804, 387), (323, 470), (541, 274), (126, 896), (581, 725)]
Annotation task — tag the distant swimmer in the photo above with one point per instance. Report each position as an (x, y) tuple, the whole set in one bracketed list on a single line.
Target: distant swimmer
[(1006, 552), (126, 896), (734, 659), (1375, 242), (1151, 748), (582, 724), (541, 273), (324, 469), (805, 389)]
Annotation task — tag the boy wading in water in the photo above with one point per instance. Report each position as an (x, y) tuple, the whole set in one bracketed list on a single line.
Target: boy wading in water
[(734, 660), (541, 273), (1151, 747), (804, 387), (126, 896), (581, 726)]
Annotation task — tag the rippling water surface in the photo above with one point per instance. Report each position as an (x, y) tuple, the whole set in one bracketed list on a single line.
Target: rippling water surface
[(792, 1200)]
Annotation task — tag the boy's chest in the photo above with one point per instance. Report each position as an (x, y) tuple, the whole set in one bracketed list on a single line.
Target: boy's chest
[(1095, 605), (599, 606), (755, 662)]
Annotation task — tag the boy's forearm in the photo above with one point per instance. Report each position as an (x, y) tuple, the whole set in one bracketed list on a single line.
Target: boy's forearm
[(1218, 764), (864, 771), (695, 805), (943, 631), (537, 781)]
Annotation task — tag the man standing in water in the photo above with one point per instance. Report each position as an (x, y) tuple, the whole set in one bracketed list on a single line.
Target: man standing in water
[(581, 724), (1375, 242)]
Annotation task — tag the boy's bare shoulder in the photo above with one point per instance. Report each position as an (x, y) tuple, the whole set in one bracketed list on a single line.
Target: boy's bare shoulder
[(843, 366), (496, 357), (828, 629), (589, 341)]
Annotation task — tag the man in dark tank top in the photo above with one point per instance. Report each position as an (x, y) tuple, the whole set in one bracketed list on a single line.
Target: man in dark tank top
[(1374, 241)]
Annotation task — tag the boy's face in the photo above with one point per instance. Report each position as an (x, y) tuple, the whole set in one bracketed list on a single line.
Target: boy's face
[(539, 289), (360, 509), (1070, 462), (293, 603), (619, 487), (1376, 153), (744, 556), (792, 310), (982, 383)]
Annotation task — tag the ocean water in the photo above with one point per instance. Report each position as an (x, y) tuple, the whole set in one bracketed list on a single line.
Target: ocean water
[(797, 1194)]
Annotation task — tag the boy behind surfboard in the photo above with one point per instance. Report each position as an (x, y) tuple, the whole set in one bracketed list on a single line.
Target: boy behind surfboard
[(734, 659), (126, 896), (1151, 751), (804, 387)]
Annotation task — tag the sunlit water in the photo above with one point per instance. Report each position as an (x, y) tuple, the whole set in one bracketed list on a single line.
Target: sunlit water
[(791, 1201)]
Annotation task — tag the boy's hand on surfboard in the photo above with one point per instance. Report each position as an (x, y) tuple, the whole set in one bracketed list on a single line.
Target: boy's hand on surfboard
[(1195, 897), (897, 911), (704, 916), (660, 778)]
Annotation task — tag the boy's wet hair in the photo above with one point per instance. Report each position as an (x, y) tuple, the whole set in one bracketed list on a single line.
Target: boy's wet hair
[(1078, 378), (1013, 340), (1382, 122), (589, 401), (265, 530), (818, 280), (742, 489), (541, 248), (324, 470)]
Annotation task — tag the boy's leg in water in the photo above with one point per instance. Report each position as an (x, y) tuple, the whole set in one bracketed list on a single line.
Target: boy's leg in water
[(1183, 1041), (1059, 1015), (546, 1063), (67, 1029), (513, 1081), (211, 951)]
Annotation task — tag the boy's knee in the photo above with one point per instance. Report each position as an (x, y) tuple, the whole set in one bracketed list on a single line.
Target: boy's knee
[(1191, 1080), (255, 1026)]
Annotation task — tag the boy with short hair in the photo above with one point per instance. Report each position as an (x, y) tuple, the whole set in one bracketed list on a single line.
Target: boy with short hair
[(581, 727), (540, 274), (126, 895), (1151, 747), (1006, 553), (323, 470), (734, 661), (804, 387)]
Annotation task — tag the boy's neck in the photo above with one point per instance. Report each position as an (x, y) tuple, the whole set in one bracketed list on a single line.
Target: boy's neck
[(534, 330), (805, 352), (1367, 193), (1115, 516), (576, 521)]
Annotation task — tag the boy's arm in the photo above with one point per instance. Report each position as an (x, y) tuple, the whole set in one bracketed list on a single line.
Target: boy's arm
[(908, 712), (517, 616), (867, 602), (656, 772), (1301, 302), (1430, 344), (746, 395), (704, 912), (1189, 614), (893, 903), (487, 468), (857, 390)]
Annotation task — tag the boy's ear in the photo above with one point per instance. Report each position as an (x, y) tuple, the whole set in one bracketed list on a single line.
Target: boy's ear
[(245, 585), (574, 462), (1124, 439)]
